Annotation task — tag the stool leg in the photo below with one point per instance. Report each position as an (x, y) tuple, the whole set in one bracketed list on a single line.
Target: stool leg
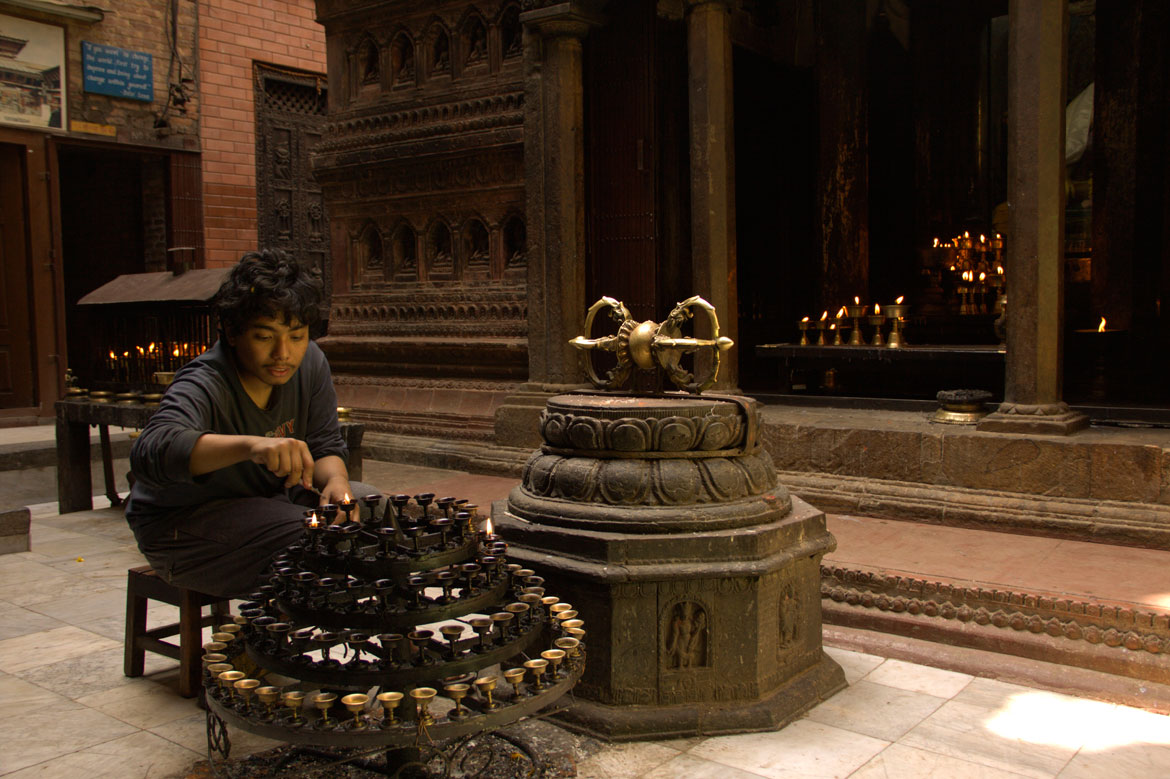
[(220, 611), (135, 656), (190, 643)]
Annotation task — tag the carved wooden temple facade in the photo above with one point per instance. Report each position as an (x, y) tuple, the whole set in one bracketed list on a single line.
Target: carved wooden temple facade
[(491, 168)]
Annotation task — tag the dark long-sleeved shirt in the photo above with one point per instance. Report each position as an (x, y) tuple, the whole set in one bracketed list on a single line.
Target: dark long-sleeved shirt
[(206, 396)]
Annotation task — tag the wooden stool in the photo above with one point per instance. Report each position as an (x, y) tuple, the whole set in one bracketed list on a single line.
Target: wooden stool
[(142, 585)]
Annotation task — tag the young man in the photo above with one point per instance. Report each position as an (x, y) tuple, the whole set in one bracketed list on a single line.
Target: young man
[(245, 438)]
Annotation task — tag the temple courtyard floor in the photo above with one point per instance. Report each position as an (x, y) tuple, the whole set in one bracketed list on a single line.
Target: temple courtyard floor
[(66, 710)]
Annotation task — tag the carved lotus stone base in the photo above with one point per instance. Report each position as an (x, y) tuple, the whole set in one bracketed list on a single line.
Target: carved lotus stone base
[(698, 576)]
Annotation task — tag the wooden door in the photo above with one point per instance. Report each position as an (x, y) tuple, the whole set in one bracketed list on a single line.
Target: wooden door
[(16, 367)]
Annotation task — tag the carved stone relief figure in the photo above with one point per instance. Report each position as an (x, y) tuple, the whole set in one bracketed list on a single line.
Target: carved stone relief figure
[(510, 33), (369, 60), (475, 34), (440, 51), (368, 249), (686, 638), (282, 155), (402, 59), (789, 615), (441, 259), (475, 246), (515, 244), (405, 261)]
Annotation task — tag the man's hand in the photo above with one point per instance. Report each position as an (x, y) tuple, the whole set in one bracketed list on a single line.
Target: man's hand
[(336, 490), (288, 457)]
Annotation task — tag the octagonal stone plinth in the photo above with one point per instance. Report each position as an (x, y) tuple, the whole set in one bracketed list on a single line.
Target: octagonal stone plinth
[(697, 575)]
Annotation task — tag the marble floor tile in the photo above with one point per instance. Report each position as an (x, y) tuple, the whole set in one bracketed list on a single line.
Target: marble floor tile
[(95, 672), (136, 756), (17, 621), (903, 762), (42, 734), (191, 732), (1136, 761), (18, 571), (53, 587), (969, 732), (1125, 725), (625, 761), (693, 767), (141, 703), (802, 749), (855, 664), (876, 710), (104, 603), (919, 678), (18, 695), (50, 545), (48, 647), (106, 567)]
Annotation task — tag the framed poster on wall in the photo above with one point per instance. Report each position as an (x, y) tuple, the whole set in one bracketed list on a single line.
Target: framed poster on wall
[(32, 73)]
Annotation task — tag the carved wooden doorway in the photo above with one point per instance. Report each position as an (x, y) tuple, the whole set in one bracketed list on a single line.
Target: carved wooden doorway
[(290, 114)]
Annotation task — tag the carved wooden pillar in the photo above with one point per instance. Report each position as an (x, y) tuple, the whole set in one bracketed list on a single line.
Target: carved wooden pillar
[(554, 162), (842, 167), (1035, 260), (713, 169)]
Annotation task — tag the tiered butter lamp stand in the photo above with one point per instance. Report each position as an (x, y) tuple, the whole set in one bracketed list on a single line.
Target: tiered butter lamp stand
[(393, 637)]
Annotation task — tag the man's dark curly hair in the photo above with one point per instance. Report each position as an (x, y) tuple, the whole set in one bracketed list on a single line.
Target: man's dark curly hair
[(270, 283)]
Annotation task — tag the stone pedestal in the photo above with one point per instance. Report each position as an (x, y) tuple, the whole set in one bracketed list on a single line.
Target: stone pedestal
[(698, 576)]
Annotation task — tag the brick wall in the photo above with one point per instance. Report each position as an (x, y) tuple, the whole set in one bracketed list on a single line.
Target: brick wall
[(233, 35), (138, 25)]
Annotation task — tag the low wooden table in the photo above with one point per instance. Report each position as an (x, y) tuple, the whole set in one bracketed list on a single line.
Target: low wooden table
[(74, 418)]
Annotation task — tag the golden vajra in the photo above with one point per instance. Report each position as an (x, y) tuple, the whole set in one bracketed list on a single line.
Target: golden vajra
[(649, 345)]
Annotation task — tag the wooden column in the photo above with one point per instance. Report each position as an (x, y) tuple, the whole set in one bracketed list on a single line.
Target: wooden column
[(1035, 260), (554, 170), (713, 171), (842, 167)]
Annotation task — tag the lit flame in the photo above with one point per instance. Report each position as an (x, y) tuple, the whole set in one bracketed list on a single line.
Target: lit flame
[(982, 276), (899, 300), (966, 234), (841, 313), (1101, 327), (112, 355), (824, 316), (998, 236), (804, 319), (999, 269), (856, 300), (151, 347), (487, 526), (877, 308), (125, 354), (833, 326), (982, 238), (952, 267), (313, 520), (936, 243), (175, 353), (347, 498)]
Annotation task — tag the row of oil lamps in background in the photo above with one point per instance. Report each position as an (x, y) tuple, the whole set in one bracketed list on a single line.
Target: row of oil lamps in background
[(849, 317), (978, 268), (139, 363)]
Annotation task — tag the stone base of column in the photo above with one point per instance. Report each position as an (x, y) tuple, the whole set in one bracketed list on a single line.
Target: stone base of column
[(632, 723), (518, 418), (1033, 419)]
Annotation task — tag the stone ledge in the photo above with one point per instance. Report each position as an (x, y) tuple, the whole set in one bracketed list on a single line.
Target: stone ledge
[(40, 454), (473, 456), (1114, 638), (1117, 522), (14, 526)]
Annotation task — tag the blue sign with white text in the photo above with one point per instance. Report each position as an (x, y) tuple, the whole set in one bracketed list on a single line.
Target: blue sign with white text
[(109, 70)]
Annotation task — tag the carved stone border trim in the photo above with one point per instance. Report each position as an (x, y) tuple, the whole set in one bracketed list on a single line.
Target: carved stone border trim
[(1112, 626)]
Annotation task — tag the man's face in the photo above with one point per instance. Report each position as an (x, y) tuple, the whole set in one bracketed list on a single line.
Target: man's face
[(269, 350)]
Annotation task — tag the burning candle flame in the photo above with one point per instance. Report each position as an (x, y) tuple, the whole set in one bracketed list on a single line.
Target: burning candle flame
[(175, 353), (1101, 327), (877, 308), (804, 319), (313, 520), (999, 269), (151, 347), (833, 326), (966, 234), (982, 238), (824, 316), (856, 300), (936, 242), (952, 267), (841, 313), (112, 355), (487, 526), (982, 276)]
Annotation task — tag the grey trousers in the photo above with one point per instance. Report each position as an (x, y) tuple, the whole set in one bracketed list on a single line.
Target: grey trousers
[(224, 548)]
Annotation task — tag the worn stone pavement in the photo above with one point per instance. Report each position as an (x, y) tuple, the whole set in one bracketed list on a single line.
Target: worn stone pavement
[(67, 711)]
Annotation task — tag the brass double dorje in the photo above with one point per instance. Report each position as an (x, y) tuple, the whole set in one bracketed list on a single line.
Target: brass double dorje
[(649, 345)]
